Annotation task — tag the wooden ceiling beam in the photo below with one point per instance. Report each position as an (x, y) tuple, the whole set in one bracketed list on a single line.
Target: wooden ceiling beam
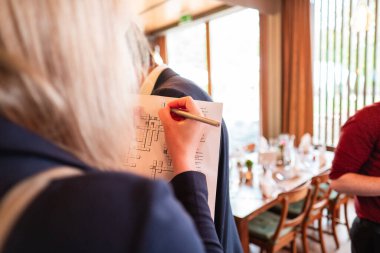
[(264, 6), (157, 15)]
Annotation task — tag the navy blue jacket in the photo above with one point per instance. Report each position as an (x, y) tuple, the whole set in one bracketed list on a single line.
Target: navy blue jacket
[(170, 84), (101, 211)]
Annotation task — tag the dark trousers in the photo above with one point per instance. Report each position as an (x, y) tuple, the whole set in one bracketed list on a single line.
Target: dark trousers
[(365, 236)]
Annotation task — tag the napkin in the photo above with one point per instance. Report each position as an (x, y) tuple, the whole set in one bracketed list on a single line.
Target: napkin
[(268, 185), (305, 144), (267, 158), (322, 156), (263, 144)]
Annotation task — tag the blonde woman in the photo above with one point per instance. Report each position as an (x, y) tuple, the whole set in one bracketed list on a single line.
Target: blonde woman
[(66, 77)]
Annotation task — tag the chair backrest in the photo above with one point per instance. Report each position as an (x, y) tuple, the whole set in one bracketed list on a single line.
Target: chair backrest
[(320, 194), (301, 193)]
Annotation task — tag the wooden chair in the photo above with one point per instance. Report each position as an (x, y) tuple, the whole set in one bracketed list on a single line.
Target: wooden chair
[(336, 201), (319, 202), (320, 192), (323, 197), (270, 231)]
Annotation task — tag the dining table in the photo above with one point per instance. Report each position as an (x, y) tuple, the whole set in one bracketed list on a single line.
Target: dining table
[(250, 200)]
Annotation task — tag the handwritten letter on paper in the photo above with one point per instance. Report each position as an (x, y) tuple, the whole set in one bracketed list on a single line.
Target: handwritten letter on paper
[(148, 155)]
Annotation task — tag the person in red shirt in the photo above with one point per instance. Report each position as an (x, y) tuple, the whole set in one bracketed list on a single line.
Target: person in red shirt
[(356, 171)]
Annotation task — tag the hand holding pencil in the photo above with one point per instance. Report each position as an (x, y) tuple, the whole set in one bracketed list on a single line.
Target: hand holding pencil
[(182, 135), (188, 115)]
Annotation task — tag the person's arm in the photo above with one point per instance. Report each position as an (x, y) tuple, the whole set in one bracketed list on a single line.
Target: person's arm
[(182, 139), (190, 189), (176, 86), (171, 229), (356, 184)]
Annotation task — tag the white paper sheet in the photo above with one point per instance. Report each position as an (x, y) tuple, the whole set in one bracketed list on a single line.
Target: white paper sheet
[(148, 155)]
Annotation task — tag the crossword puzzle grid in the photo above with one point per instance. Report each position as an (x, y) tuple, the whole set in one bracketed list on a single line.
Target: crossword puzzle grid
[(148, 133)]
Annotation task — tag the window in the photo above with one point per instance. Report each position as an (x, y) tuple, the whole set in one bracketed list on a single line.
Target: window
[(187, 53), (234, 60), (346, 67)]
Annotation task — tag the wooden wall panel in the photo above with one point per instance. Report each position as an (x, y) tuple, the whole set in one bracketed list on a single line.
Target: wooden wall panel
[(270, 75)]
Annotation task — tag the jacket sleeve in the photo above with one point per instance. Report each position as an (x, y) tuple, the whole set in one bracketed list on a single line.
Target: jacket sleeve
[(171, 228), (191, 190)]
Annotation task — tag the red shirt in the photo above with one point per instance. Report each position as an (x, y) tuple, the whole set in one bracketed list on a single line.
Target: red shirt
[(358, 151)]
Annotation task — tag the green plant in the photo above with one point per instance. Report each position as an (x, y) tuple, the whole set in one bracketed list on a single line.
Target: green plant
[(248, 163)]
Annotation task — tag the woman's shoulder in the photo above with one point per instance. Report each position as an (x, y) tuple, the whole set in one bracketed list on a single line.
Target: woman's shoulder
[(106, 189), (125, 210)]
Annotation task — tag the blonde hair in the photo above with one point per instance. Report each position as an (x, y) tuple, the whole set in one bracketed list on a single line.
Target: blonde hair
[(140, 48), (67, 74)]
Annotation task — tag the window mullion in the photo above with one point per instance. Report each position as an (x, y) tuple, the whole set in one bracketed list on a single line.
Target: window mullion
[(334, 79), (342, 65), (208, 52), (327, 71), (374, 76), (320, 71), (349, 63)]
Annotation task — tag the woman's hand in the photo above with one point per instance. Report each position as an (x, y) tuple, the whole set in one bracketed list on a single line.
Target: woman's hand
[(182, 135)]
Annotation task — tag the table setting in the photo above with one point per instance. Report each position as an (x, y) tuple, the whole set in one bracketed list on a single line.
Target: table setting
[(274, 166)]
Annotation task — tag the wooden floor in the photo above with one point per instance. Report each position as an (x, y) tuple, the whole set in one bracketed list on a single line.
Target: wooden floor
[(345, 244)]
